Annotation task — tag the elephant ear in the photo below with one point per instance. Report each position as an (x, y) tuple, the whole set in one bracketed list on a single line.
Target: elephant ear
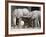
[(25, 11), (20, 13), (36, 13)]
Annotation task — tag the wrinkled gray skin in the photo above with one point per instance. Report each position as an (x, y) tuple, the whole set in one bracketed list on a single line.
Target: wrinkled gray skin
[(37, 16), (21, 12), (25, 12)]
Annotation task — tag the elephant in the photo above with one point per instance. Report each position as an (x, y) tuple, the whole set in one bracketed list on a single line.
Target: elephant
[(18, 13), (35, 16)]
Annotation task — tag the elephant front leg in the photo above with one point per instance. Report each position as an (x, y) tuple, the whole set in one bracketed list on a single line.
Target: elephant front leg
[(36, 22), (21, 23)]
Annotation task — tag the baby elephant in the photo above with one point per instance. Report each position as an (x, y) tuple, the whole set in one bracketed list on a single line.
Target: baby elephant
[(36, 18), (18, 13)]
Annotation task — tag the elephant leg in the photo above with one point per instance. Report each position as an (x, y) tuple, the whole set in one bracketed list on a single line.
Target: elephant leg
[(33, 23), (36, 22), (20, 26), (39, 22)]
